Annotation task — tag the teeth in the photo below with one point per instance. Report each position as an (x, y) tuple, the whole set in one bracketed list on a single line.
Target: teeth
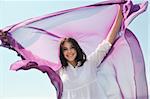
[(70, 55)]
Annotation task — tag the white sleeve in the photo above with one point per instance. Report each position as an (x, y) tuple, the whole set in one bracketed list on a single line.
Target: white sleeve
[(97, 56)]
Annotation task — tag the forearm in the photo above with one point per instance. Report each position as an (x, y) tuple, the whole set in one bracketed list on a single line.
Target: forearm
[(115, 28)]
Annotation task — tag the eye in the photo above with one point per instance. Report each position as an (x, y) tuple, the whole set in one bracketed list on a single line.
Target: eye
[(64, 49), (72, 47)]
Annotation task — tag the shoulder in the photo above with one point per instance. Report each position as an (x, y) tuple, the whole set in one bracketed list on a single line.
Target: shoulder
[(60, 71), (87, 63)]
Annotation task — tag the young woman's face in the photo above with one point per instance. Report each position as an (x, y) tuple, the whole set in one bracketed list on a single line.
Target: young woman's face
[(69, 52)]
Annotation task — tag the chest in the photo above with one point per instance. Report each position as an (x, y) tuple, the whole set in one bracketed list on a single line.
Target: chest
[(80, 75)]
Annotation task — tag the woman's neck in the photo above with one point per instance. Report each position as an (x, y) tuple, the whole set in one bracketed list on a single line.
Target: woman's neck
[(73, 63)]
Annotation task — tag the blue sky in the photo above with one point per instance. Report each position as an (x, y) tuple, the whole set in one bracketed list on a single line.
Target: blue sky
[(32, 83)]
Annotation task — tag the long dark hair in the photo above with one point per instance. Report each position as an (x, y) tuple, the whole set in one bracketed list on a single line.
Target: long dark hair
[(81, 56)]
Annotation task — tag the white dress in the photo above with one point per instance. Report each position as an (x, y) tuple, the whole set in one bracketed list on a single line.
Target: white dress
[(82, 82)]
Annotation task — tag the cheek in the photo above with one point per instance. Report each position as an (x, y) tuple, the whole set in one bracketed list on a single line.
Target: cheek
[(75, 52), (64, 53)]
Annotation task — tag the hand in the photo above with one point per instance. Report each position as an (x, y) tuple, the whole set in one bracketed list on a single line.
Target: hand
[(3, 37)]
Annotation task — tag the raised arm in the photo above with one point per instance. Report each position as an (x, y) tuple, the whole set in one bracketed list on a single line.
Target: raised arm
[(116, 27), (97, 56)]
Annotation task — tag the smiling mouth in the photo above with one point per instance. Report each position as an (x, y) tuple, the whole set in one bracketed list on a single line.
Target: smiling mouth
[(70, 55)]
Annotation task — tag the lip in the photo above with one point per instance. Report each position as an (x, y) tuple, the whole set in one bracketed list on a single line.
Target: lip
[(71, 55)]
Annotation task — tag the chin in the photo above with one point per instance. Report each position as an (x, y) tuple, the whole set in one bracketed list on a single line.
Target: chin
[(71, 60)]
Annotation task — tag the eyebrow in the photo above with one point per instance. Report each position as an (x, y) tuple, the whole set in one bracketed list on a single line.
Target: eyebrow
[(66, 47)]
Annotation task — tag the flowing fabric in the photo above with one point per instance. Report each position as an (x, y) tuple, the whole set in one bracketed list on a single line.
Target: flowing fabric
[(37, 40)]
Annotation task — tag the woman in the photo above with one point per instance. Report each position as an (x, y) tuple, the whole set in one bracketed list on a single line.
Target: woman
[(78, 72)]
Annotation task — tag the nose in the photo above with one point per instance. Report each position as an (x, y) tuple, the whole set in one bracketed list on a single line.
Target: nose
[(69, 51)]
